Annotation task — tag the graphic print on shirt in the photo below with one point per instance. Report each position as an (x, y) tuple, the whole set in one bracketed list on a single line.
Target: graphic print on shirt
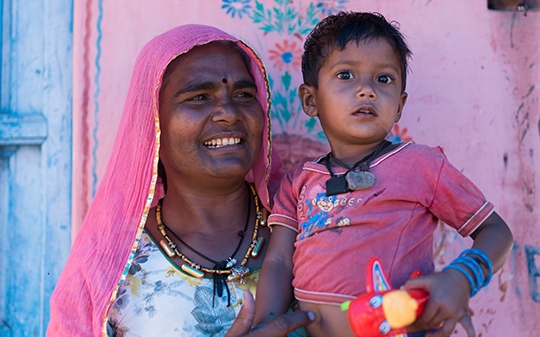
[(318, 217), (322, 211)]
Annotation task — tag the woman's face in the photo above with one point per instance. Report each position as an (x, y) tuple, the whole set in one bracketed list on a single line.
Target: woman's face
[(211, 120)]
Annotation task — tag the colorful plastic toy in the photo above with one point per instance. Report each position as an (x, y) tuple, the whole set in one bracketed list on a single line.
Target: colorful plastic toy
[(381, 311)]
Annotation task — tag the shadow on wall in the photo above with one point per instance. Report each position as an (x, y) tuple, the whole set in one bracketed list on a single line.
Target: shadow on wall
[(514, 5)]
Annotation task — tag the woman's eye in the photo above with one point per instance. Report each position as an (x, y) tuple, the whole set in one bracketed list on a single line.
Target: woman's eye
[(197, 98), (385, 79), (245, 95), (345, 75)]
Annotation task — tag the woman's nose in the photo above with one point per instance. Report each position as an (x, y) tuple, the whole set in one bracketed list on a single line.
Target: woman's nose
[(226, 111)]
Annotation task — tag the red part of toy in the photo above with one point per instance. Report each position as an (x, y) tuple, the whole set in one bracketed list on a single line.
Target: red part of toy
[(381, 311)]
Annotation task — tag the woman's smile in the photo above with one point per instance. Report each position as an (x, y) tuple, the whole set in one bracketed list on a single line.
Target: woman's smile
[(215, 125), (222, 142)]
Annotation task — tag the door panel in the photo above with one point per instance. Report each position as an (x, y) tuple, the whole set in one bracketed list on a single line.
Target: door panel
[(35, 159)]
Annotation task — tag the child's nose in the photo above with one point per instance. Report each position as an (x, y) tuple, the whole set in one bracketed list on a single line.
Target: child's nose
[(366, 89)]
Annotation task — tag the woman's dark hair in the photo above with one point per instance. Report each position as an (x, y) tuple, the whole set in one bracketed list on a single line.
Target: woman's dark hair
[(234, 45), (335, 31)]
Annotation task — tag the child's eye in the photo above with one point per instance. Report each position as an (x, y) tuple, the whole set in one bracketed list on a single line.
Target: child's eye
[(386, 79), (345, 75)]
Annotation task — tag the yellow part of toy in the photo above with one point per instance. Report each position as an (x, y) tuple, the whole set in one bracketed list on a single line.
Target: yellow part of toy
[(399, 308)]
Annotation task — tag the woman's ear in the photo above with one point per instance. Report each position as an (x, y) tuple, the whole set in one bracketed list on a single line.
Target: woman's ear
[(402, 101), (307, 96)]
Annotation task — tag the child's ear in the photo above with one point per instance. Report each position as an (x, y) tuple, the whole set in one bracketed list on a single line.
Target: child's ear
[(402, 101), (307, 96)]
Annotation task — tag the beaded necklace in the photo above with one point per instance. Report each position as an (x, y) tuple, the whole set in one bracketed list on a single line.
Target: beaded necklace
[(235, 273), (225, 264)]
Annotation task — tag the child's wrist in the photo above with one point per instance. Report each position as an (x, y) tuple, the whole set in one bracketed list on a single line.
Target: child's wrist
[(462, 276), (476, 266)]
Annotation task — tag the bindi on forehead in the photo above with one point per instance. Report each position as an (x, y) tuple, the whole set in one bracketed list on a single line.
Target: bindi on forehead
[(224, 80)]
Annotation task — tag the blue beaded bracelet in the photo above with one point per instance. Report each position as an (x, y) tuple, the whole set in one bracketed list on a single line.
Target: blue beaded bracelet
[(475, 267), (485, 259), (457, 267), (478, 279)]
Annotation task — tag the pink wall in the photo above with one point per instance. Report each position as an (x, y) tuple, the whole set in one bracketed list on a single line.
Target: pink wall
[(474, 89)]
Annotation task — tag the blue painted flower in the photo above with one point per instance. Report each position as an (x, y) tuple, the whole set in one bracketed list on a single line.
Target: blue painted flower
[(329, 7), (398, 135), (287, 54), (239, 7)]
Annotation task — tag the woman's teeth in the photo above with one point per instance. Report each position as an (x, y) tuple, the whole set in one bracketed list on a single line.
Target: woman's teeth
[(215, 143)]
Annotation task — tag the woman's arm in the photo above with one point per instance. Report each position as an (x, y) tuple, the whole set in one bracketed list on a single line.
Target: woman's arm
[(274, 289), (71, 307), (278, 327)]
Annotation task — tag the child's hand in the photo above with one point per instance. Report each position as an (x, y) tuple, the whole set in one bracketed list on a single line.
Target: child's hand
[(448, 304)]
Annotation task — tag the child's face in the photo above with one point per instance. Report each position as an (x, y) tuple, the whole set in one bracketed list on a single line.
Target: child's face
[(359, 96)]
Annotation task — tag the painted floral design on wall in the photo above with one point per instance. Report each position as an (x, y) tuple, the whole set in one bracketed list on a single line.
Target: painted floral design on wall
[(287, 55), (237, 7), (332, 6), (398, 135)]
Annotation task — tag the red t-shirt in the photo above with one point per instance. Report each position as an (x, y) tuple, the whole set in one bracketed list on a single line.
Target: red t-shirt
[(394, 220)]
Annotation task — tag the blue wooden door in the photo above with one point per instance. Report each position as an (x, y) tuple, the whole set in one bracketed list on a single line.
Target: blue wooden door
[(35, 159)]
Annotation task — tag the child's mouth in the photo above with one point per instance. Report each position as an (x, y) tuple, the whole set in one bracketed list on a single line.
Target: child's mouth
[(366, 111)]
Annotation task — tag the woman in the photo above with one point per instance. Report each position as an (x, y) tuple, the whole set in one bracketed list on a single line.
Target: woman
[(169, 244)]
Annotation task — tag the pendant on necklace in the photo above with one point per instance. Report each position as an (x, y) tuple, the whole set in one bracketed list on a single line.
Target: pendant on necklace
[(167, 248), (336, 185), (262, 216), (231, 262), (360, 180), (192, 271), (238, 274), (258, 247)]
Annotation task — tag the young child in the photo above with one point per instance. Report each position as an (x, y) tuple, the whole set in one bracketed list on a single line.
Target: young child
[(369, 198)]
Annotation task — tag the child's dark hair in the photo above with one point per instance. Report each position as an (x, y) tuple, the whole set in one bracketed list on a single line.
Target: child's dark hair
[(335, 31)]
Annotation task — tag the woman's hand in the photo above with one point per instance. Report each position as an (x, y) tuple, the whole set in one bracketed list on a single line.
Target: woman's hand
[(448, 303), (279, 327)]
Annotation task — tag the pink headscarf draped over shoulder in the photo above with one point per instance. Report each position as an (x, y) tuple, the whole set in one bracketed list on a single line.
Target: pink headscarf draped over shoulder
[(104, 248)]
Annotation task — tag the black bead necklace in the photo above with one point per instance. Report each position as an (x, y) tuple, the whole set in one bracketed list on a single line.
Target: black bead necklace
[(223, 270), (219, 265), (353, 179)]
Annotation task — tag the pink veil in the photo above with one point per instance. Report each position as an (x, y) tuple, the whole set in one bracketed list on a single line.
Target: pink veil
[(104, 248)]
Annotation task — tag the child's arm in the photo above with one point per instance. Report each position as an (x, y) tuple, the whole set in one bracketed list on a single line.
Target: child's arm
[(274, 289), (450, 289)]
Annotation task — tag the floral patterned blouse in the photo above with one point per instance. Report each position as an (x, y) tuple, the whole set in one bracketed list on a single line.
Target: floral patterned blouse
[(158, 299)]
